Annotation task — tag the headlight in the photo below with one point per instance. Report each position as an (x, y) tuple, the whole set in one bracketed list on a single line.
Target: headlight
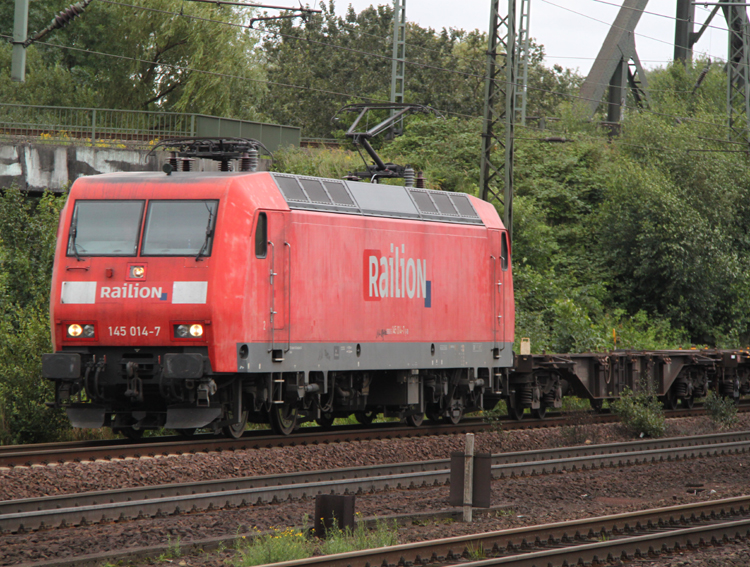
[(137, 272), (81, 331), (188, 331)]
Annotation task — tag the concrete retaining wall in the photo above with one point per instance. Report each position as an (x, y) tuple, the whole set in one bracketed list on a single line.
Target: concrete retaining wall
[(36, 167)]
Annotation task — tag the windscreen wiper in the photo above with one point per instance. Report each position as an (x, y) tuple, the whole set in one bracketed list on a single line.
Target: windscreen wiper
[(73, 234), (209, 232)]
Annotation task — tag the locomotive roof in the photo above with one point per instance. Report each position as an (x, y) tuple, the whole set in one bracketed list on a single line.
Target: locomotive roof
[(332, 195), (396, 201)]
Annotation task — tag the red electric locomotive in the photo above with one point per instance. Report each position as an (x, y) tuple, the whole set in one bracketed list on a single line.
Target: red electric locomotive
[(188, 300)]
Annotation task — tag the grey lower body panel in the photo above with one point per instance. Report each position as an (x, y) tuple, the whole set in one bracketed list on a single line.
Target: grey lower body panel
[(343, 357)]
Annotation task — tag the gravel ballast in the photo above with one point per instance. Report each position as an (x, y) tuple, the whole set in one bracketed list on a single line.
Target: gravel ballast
[(528, 500)]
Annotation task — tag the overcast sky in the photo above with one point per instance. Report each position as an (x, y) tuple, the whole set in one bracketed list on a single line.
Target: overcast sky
[(571, 31)]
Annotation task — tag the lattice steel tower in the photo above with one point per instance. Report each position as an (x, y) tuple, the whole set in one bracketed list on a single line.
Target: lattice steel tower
[(522, 60), (398, 65), (499, 109)]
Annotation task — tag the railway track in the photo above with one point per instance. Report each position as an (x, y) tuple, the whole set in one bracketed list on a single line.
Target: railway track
[(586, 542), (112, 505), (43, 454)]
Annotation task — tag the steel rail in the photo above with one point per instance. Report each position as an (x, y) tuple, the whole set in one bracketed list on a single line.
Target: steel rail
[(27, 455), (519, 546), (42, 454), (92, 507)]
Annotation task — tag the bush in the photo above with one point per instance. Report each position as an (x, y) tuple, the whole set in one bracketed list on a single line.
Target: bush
[(721, 411), (641, 412)]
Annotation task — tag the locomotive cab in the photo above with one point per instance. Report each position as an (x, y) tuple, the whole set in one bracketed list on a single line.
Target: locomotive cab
[(130, 308)]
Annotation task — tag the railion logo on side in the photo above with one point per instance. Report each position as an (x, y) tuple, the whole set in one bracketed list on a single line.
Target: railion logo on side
[(132, 291), (395, 276)]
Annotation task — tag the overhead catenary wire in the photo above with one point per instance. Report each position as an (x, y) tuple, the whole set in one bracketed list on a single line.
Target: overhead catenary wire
[(704, 53), (328, 91), (349, 95), (675, 18), (333, 46), (202, 71)]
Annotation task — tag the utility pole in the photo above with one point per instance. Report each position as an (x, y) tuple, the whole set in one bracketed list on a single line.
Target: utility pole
[(499, 80), (398, 64), (20, 30)]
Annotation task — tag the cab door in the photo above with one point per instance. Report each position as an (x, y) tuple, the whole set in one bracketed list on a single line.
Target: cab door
[(279, 280), (504, 284), (496, 292)]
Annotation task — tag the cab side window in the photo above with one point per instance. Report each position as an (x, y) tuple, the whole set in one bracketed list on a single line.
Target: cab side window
[(261, 236), (504, 251)]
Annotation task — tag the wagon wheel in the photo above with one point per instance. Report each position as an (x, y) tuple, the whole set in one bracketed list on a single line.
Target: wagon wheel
[(670, 400), (325, 420), (283, 418), (235, 431), (365, 417), (688, 402), (415, 420)]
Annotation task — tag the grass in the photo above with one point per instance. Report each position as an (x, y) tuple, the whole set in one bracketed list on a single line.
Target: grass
[(173, 550), (290, 543), (574, 403), (273, 547), (341, 541), (476, 553)]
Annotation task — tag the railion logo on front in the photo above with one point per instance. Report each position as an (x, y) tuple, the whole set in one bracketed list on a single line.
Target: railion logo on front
[(395, 276), (132, 291)]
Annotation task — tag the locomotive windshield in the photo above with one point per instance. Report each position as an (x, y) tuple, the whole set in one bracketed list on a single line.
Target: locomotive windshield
[(105, 228), (179, 228)]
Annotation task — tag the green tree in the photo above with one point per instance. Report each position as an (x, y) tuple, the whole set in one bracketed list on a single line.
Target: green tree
[(337, 60), (184, 57), (27, 241)]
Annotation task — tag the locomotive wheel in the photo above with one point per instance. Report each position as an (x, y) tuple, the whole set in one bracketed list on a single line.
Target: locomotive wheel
[(433, 413), (415, 420), (516, 412), (539, 413), (365, 417), (132, 434), (235, 431), (325, 420), (283, 418)]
